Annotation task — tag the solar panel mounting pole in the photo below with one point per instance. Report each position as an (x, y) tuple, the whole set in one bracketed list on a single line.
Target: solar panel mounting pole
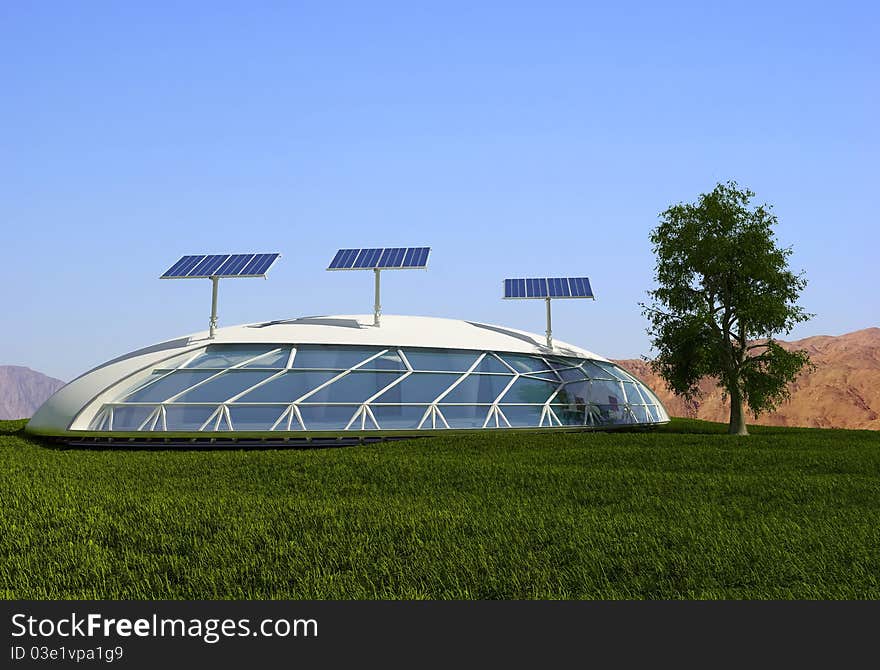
[(377, 306), (549, 327), (212, 325), (220, 266), (378, 259), (547, 289)]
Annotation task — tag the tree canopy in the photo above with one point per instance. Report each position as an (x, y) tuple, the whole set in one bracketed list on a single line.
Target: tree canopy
[(724, 290)]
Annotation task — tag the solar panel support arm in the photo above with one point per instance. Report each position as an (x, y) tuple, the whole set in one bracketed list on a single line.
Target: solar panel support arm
[(377, 305), (549, 327), (212, 324)]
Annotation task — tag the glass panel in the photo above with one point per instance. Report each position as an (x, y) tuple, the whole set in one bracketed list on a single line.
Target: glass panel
[(570, 414), (614, 371), (225, 386), (331, 357), (551, 376), (170, 385), (418, 387), (632, 394), (576, 393), (277, 360), (227, 355), (440, 359), (175, 362), (610, 414), (140, 382), (653, 413), (478, 389), (605, 393), (641, 413), (558, 363), (522, 416), (387, 361), (354, 387), (392, 417), (649, 395), (287, 387), (523, 363), (492, 364), (256, 417), (181, 417), (594, 371), (328, 417), (472, 416), (530, 391), (571, 375), (130, 418)]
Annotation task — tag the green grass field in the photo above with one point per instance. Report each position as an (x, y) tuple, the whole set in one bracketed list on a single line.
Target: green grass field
[(685, 512)]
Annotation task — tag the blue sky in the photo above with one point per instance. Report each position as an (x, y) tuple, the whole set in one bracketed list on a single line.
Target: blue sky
[(513, 138)]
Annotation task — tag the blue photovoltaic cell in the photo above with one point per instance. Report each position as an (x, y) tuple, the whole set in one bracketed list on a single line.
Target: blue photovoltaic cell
[(420, 258), (258, 265), (181, 267), (514, 288), (580, 287), (221, 265), (387, 258), (234, 264), (209, 266), (344, 259), (536, 288), (550, 287), (558, 287)]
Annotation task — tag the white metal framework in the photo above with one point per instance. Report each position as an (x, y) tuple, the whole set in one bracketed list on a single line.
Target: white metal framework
[(267, 388)]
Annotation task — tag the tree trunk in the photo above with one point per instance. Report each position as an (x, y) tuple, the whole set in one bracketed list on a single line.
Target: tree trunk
[(737, 424)]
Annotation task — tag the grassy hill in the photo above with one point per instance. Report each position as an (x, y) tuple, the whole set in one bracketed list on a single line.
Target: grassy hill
[(684, 512)]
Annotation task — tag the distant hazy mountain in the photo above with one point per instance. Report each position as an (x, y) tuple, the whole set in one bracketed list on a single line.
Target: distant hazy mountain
[(23, 390), (842, 392)]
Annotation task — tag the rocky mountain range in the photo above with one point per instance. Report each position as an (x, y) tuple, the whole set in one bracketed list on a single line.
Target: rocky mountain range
[(23, 390), (842, 392)]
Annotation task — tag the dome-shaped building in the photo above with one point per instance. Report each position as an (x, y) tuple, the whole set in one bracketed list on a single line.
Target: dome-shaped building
[(340, 377)]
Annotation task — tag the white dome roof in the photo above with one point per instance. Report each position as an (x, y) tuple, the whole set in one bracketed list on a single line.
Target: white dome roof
[(64, 410), (396, 331)]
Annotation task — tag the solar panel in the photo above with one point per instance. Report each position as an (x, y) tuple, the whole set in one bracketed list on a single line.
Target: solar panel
[(205, 266), (386, 258), (547, 287)]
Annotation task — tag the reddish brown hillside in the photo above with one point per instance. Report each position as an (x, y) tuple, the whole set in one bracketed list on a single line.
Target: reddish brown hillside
[(842, 392)]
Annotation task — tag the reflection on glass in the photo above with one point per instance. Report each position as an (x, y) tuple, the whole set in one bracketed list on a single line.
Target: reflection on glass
[(441, 359), (356, 386), (531, 391), (398, 417), (227, 355), (255, 417), (419, 387), (224, 386), (328, 417), (472, 416), (478, 389), (331, 357), (169, 386), (522, 416), (130, 418), (188, 418), (287, 387)]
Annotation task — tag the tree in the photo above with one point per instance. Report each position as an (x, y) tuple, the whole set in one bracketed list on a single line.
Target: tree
[(724, 290)]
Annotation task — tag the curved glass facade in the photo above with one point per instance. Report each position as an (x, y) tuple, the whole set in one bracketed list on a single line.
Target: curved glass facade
[(261, 388)]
